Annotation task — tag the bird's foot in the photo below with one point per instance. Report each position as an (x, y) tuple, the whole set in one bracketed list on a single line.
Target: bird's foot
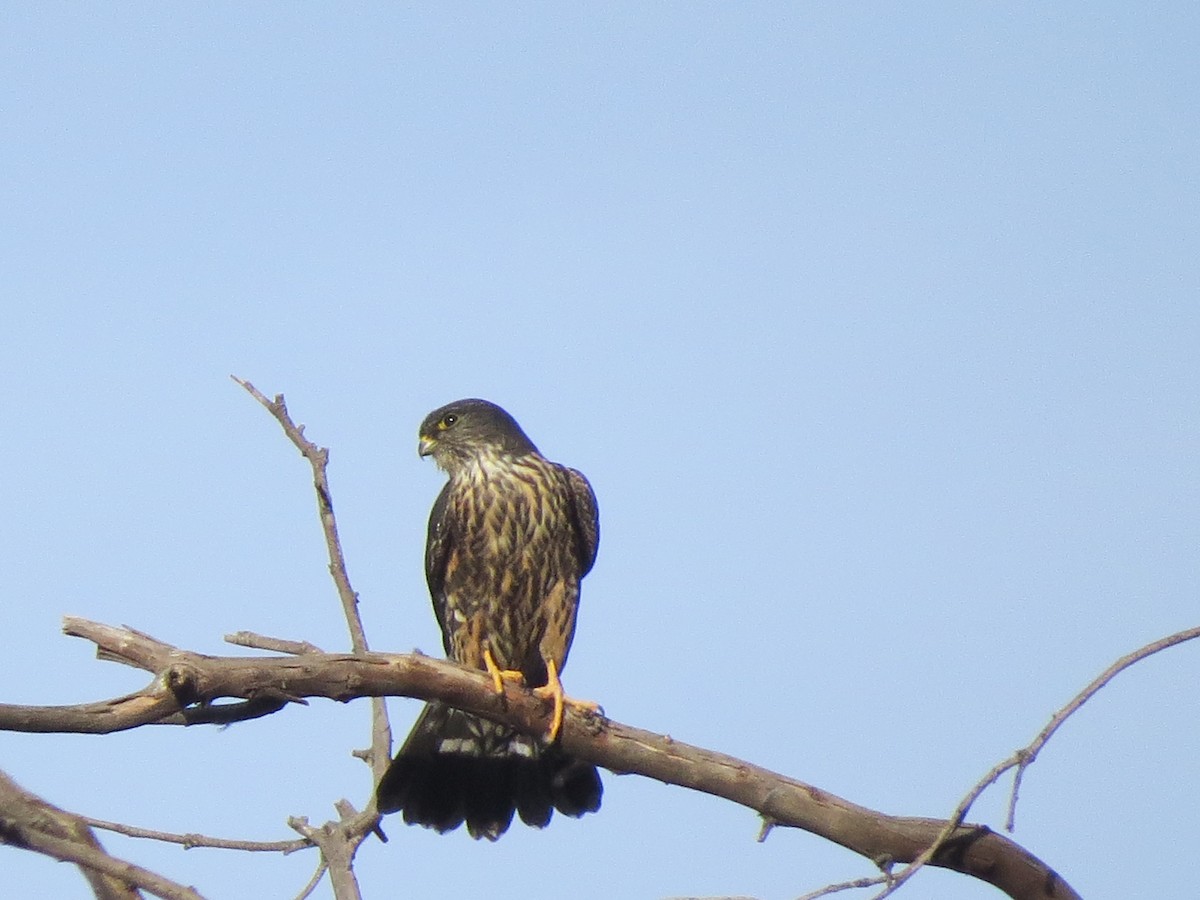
[(553, 690), (499, 675)]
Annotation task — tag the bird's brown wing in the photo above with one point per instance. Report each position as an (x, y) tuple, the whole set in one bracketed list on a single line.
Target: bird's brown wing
[(438, 545), (586, 515)]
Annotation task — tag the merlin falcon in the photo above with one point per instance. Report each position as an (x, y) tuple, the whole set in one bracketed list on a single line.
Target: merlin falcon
[(510, 537)]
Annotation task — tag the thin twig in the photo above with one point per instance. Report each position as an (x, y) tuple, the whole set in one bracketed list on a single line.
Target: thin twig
[(189, 841), (271, 644), (99, 861), (338, 842), (318, 458), (845, 886), (1023, 758), (307, 890), (29, 821), (229, 713)]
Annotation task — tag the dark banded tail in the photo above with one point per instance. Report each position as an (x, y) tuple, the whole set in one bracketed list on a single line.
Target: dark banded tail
[(456, 767)]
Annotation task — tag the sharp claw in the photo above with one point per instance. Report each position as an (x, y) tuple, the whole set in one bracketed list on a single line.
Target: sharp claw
[(499, 675)]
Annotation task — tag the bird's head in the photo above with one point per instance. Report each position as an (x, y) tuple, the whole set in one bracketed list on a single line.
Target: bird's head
[(464, 430)]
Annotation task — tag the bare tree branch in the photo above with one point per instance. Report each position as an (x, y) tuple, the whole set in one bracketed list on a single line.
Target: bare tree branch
[(271, 644), (191, 678), (311, 886), (338, 842), (830, 889), (28, 821), (318, 458), (1024, 757), (380, 754), (190, 841), (186, 681)]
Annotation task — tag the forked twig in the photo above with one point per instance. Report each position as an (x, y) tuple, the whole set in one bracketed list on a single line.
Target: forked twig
[(337, 844), (1024, 757)]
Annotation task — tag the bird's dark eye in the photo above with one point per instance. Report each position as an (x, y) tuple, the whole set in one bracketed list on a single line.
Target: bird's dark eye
[(448, 420)]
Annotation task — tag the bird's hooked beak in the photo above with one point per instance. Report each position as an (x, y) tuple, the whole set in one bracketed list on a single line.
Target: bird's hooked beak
[(425, 445)]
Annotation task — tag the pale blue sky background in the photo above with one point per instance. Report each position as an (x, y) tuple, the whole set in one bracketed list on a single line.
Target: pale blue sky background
[(875, 326)]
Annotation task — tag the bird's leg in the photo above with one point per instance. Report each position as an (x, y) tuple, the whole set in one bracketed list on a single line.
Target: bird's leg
[(499, 675), (554, 690)]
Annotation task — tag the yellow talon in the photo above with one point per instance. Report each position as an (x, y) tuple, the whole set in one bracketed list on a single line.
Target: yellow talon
[(554, 690), (499, 675)]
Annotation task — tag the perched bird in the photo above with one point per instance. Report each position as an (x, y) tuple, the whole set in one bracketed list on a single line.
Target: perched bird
[(510, 537)]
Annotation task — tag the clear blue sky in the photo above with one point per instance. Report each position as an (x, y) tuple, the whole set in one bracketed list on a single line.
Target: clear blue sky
[(876, 327)]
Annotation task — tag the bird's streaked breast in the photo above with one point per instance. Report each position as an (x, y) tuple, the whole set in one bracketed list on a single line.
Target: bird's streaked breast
[(514, 558)]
